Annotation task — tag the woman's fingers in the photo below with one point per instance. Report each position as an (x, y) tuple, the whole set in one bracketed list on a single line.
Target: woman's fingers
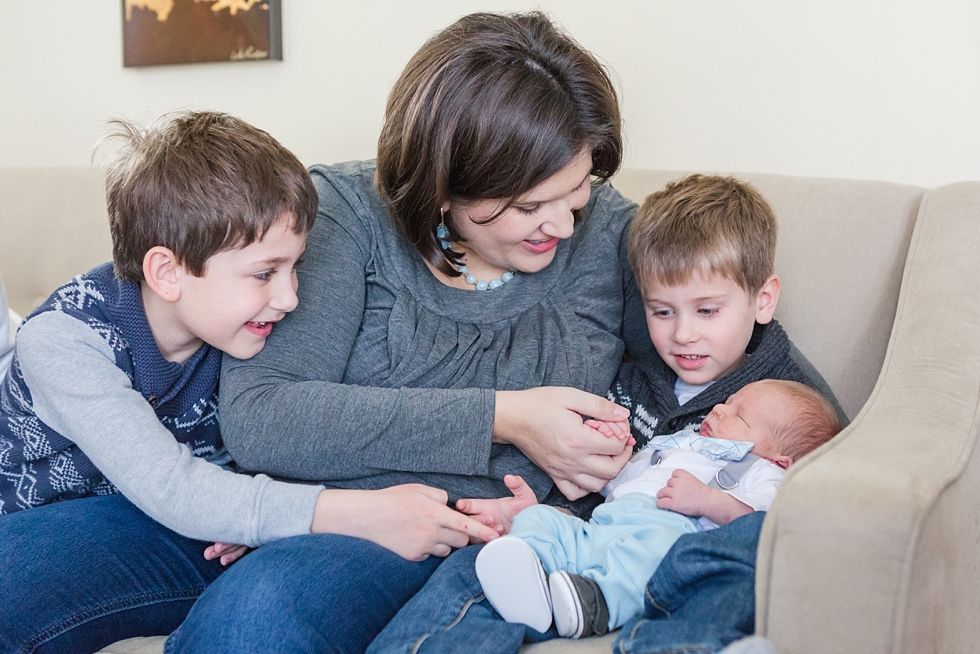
[(570, 489), (594, 406)]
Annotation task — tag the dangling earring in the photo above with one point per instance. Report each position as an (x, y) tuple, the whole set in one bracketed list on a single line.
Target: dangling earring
[(442, 232)]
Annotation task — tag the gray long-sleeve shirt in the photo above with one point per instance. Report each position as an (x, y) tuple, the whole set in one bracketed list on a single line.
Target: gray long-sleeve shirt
[(383, 375), (78, 391)]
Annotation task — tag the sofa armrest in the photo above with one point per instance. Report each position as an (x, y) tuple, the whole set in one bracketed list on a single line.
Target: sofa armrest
[(873, 543)]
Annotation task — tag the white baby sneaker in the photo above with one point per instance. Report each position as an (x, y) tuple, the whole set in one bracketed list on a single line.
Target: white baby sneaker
[(514, 582)]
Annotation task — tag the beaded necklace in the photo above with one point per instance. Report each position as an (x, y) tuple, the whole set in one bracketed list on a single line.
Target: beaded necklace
[(442, 233)]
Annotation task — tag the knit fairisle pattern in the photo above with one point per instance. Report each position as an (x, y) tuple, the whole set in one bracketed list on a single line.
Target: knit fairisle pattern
[(37, 464)]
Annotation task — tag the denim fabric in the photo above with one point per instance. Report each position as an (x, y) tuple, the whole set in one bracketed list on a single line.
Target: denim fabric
[(702, 597), (76, 576), (311, 593), (450, 615)]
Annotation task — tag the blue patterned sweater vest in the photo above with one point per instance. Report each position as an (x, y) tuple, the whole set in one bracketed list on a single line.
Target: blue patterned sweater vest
[(37, 464)]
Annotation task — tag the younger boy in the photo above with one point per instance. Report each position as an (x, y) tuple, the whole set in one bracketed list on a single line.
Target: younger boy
[(702, 251), (113, 384), (678, 484)]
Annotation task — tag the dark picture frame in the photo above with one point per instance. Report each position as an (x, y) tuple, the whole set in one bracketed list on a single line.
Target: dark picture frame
[(163, 32)]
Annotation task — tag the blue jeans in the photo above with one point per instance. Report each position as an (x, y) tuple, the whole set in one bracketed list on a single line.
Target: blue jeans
[(313, 593), (78, 575), (701, 597), (451, 615)]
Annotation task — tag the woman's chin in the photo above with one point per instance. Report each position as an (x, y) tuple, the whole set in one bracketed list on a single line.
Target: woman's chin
[(535, 262)]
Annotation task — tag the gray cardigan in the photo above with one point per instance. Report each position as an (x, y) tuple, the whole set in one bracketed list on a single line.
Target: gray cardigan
[(383, 375)]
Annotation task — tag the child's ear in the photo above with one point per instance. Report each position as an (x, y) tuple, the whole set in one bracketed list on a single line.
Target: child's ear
[(161, 272), (766, 300), (782, 461)]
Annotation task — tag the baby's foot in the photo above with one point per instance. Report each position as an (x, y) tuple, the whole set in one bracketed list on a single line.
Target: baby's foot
[(514, 582), (579, 606)]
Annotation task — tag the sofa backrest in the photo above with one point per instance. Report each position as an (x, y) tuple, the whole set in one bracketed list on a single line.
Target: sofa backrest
[(842, 248), (841, 251), (52, 227)]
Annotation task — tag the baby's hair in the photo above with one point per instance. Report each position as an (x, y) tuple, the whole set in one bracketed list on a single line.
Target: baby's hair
[(198, 183), (810, 419), (703, 224)]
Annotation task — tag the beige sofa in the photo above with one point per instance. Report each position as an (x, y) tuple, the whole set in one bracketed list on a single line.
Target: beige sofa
[(873, 544)]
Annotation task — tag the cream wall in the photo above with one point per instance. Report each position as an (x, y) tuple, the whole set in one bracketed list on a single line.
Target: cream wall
[(864, 89)]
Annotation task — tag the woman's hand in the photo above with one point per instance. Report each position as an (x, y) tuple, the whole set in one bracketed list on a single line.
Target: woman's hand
[(411, 520), (546, 424)]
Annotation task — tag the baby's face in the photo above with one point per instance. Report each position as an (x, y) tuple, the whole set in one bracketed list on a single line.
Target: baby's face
[(746, 416)]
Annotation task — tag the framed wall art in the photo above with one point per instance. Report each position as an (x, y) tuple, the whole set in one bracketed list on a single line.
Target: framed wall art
[(160, 32)]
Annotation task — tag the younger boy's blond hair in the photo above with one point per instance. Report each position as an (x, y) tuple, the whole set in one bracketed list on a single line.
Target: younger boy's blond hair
[(703, 224)]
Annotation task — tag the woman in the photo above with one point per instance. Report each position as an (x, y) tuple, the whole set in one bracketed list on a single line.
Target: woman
[(398, 371)]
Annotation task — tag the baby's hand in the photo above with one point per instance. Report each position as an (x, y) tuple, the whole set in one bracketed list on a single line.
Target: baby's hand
[(499, 513), (619, 429), (686, 494), (228, 552)]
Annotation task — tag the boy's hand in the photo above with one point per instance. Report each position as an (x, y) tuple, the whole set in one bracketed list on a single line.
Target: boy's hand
[(499, 513), (412, 520), (688, 495), (229, 552)]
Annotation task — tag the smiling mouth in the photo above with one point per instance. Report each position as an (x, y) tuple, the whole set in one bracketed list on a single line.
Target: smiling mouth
[(262, 329), (541, 246), (690, 361)]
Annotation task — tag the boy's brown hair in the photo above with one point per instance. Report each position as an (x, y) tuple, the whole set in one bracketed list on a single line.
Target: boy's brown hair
[(811, 419), (703, 224), (199, 183)]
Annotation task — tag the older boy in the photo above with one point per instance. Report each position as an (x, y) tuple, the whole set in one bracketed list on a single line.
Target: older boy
[(702, 252), (113, 383), (678, 484)]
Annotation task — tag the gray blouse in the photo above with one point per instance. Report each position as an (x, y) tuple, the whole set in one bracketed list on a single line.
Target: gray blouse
[(383, 375)]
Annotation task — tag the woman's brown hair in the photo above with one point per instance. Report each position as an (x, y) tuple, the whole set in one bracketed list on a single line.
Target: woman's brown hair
[(489, 108)]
